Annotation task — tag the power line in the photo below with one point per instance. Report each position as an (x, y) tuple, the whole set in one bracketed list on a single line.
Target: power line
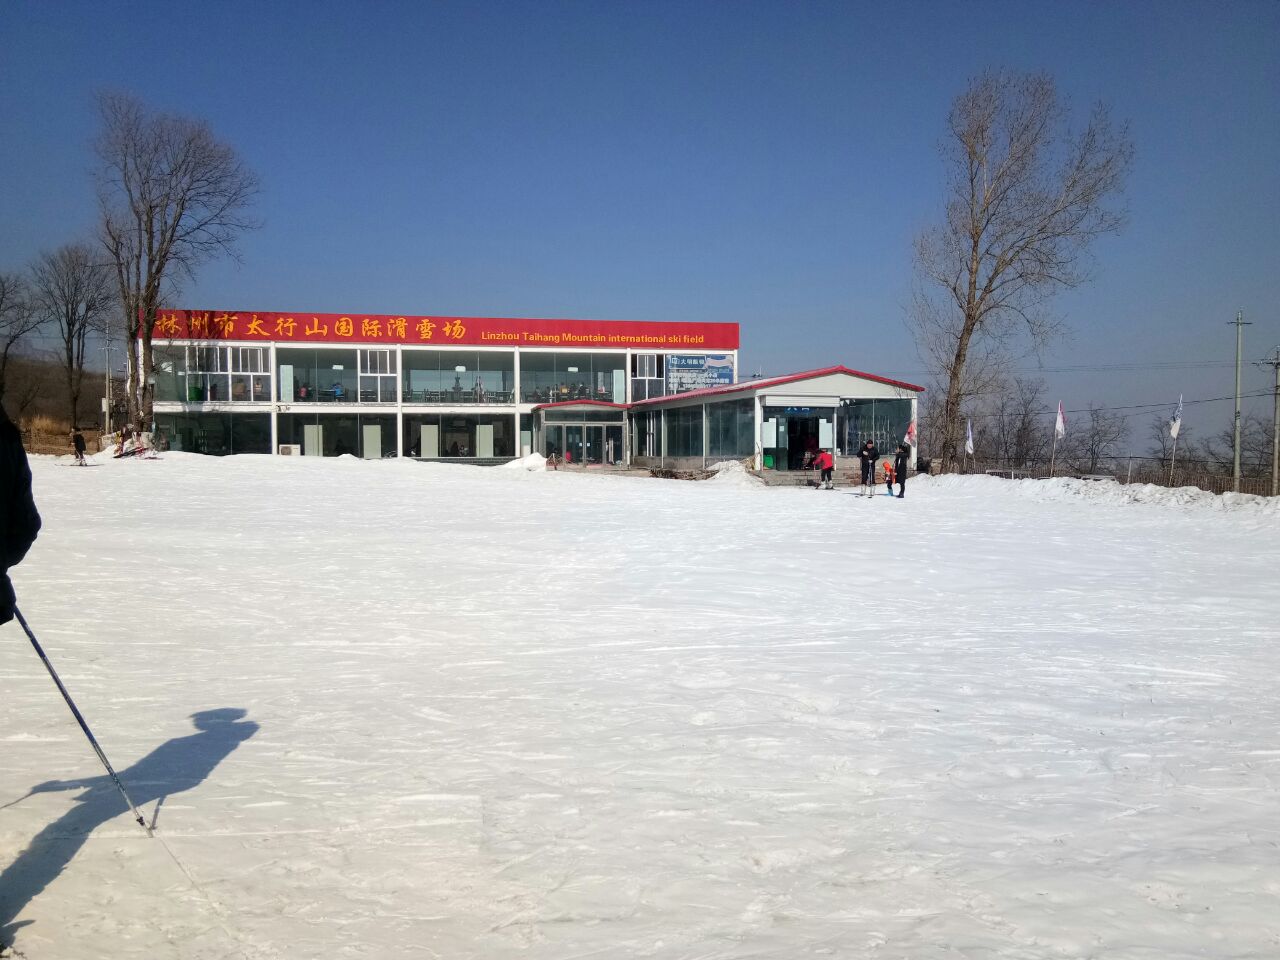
[(1165, 404)]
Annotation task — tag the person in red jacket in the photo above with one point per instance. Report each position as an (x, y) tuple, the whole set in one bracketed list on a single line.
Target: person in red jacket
[(826, 463)]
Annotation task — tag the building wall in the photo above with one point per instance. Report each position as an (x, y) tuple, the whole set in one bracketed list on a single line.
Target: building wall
[(200, 383)]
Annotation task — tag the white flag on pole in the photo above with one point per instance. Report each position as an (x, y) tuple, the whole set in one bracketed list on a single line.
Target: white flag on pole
[(1176, 423), (1060, 425), (968, 439)]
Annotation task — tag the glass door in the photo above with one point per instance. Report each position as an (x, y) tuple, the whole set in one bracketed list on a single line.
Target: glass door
[(573, 444), (594, 452), (553, 440), (613, 445)]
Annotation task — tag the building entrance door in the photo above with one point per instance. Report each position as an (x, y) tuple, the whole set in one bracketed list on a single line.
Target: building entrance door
[(802, 440), (573, 444), (594, 451)]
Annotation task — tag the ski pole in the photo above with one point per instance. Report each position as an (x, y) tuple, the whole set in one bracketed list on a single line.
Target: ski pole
[(80, 720)]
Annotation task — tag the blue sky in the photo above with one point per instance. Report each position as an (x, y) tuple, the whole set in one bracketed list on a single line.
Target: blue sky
[(764, 163)]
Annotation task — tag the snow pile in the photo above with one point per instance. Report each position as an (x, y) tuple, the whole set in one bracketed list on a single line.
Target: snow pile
[(392, 710), (533, 463), (731, 473)]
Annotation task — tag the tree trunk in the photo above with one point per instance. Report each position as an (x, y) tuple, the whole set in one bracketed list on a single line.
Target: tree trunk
[(955, 395), (146, 395)]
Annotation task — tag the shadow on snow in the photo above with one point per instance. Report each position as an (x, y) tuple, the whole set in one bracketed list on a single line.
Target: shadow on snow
[(180, 764)]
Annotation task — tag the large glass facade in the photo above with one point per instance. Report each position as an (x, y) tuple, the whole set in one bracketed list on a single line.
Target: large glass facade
[(646, 433), (556, 377), (731, 429), (216, 434), (884, 421), (684, 432), (368, 435), (204, 374), (309, 375), (459, 376), (433, 436)]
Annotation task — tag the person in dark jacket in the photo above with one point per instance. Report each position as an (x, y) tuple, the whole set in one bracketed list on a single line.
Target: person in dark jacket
[(77, 444), (900, 467), (19, 521), (867, 456)]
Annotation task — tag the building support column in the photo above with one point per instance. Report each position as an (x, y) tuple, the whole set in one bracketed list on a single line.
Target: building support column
[(275, 404), (400, 385)]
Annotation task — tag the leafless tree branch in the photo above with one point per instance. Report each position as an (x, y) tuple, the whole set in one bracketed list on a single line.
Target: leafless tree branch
[(1027, 198)]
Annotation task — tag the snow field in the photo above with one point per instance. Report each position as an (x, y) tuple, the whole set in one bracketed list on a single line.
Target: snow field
[(509, 713)]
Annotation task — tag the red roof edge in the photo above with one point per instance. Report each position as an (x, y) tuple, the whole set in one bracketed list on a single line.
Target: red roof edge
[(580, 403), (779, 381)]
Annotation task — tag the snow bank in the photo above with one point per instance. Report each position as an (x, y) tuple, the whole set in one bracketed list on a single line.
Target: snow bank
[(731, 473), (1061, 489), (533, 462)]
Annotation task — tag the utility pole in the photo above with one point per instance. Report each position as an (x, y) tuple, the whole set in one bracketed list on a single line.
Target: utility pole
[(106, 414), (1273, 361), (1240, 324)]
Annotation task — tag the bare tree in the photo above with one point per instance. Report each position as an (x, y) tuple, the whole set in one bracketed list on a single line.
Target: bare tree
[(1255, 448), (172, 197), (1015, 424), (18, 319), (72, 290), (1161, 447), (1027, 196), (1095, 440)]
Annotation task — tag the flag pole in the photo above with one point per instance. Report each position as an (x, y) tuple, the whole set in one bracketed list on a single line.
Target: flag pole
[(1173, 456), (1053, 453)]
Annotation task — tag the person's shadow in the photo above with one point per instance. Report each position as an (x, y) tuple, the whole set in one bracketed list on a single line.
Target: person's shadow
[(178, 765)]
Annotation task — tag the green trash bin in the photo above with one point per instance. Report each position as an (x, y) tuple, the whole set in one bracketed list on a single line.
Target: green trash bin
[(768, 461)]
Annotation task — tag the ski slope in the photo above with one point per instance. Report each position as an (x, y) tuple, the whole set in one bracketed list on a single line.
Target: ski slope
[(393, 710)]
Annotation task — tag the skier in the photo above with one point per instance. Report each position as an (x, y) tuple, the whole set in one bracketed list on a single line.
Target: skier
[(867, 457), (900, 467), (827, 464), (19, 520), (888, 478), (77, 444)]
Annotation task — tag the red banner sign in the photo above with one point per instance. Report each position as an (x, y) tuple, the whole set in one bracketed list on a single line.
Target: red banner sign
[(446, 331)]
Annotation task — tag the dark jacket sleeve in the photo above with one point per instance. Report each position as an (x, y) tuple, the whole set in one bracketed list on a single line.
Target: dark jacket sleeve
[(19, 521)]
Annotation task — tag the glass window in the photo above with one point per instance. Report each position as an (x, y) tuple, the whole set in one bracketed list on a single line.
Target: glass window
[(684, 432), (453, 377), (217, 434), (318, 375), (731, 429), (884, 421), (169, 370), (551, 377), (461, 436)]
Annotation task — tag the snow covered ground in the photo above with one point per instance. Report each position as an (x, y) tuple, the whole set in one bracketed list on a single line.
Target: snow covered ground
[(392, 710)]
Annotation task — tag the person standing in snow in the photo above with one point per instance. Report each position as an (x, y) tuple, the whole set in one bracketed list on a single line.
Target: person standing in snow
[(827, 464), (77, 444), (19, 520), (888, 478), (900, 463), (867, 457)]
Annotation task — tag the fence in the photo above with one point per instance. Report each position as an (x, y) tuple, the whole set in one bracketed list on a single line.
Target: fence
[(1130, 470)]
